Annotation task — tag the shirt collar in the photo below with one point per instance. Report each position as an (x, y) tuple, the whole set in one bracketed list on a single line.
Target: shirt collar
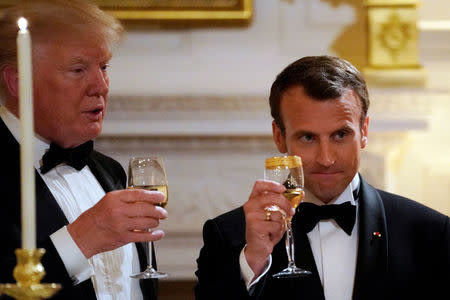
[(13, 123), (346, 195)]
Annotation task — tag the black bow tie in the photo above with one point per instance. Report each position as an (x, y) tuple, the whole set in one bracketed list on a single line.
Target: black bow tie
[(344, 214), (74, 157)]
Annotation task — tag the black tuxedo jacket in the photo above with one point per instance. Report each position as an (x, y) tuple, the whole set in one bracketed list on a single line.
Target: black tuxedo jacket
[(50, 218), (411, 259)]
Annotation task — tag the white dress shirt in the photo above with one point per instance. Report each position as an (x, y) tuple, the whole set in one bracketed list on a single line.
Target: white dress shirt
[(333, 250), (76, 191)]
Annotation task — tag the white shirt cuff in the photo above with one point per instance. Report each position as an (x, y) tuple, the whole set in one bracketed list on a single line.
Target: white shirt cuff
[(77, 265), (247, 273)]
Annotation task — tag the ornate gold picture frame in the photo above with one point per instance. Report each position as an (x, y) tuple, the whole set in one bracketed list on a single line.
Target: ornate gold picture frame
[(176, 12)]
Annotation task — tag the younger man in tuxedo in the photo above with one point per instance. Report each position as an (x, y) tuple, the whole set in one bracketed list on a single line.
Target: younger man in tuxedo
[(387, 247), (87, 222)]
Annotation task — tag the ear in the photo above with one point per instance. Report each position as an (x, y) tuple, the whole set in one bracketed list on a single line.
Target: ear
[(364, 132), (11, 79), (279, 138)]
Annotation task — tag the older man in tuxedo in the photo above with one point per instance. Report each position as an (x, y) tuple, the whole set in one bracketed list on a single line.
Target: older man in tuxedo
[(387, 247), (90, 226)]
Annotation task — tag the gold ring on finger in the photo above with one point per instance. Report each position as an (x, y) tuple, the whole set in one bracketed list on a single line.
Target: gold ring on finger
[(268, 215)]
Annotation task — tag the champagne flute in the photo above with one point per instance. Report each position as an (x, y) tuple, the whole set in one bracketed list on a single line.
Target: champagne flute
[(288, 171), (148, 173)]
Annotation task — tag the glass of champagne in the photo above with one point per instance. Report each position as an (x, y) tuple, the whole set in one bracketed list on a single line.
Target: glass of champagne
[(148, 173), (288, 171)]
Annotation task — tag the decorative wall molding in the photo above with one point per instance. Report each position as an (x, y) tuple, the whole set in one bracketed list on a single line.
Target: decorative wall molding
[(202, 116), (184, 103), (434, 25)]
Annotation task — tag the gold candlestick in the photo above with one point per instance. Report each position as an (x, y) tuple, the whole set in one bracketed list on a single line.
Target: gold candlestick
[(28, 274)]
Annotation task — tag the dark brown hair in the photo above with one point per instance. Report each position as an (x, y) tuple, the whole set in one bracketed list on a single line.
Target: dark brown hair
[(323, 78)]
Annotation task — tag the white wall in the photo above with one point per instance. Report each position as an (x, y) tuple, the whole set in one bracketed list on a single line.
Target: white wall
[(226, 60)]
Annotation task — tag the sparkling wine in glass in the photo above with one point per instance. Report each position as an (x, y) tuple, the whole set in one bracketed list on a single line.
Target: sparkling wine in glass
[(288, 171), (148, 173)]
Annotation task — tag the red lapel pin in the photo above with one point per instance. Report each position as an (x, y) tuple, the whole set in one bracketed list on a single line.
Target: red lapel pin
[(377, 234)]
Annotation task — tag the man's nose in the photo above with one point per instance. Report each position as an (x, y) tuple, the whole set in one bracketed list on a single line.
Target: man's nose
[(99, 83), (325, 154)]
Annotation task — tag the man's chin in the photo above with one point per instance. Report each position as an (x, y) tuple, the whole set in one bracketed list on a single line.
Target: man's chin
[(85, 136), (93, 130), (325, 194)]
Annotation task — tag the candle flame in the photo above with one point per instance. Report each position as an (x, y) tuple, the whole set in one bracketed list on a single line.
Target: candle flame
[(23, 24)]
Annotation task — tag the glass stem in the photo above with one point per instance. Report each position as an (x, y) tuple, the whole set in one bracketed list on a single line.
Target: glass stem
[(149, 258), (290, 244)]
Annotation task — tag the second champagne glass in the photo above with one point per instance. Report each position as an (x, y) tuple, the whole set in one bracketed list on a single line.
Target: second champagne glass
[(288, 171), (148, 173)]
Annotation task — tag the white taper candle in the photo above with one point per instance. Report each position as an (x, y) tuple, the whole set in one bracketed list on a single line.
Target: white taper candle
[(24, 62)]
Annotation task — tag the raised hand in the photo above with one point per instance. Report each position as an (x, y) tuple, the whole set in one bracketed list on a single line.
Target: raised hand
[(262, 234), (119, 218)]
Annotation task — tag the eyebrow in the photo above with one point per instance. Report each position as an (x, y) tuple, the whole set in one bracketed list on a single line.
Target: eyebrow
[(304, 132), (84, 60), (77, 60), (307, 132), (345, 128)]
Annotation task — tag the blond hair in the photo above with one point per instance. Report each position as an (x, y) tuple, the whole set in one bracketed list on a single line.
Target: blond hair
[(50, 19)]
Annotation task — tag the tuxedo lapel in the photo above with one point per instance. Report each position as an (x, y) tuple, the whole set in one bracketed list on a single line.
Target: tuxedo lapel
[(49, 216), (372, 260), (107, 181), (304, 258)]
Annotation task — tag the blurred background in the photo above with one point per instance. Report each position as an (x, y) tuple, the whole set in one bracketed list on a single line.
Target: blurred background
[(197, 94)]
